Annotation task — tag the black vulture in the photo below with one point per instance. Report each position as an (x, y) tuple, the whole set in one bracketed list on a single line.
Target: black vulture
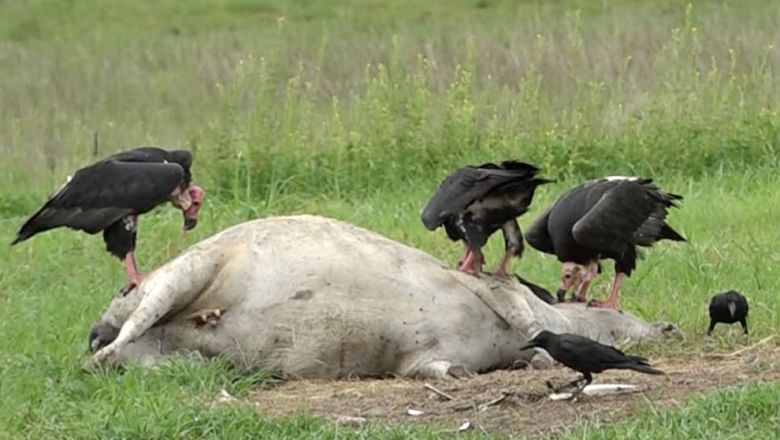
[(728, 307), (586, 356), (603, 218), (109, 196), (475, 201)]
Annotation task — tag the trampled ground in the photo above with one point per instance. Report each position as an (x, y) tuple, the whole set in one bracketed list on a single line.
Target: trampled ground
[(516, 402)]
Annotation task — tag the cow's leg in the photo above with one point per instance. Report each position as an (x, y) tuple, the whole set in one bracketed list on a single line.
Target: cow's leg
[(168, 289)]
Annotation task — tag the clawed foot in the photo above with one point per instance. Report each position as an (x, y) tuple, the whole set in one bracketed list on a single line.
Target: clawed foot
[(500, 273), (605, 305), (575, 299), (132, 284)]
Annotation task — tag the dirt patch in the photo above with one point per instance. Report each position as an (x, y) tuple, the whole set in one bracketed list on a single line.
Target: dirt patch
[(515, 402)]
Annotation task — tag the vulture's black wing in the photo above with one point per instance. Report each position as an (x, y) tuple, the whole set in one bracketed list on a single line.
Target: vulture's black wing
[(154, 154), (611, 224), (464, 186), (538, 235), (101, 194)]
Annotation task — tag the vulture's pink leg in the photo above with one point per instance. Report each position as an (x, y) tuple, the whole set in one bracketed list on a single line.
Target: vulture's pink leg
[(472, 263), (613, 301), (134, 277), (501, 271), (466, 253), (591, 272)]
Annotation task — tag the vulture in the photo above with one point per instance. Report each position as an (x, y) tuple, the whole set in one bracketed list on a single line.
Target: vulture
[(476, 201), (586, 356), (603, 218), (109, 195), (728, 307)]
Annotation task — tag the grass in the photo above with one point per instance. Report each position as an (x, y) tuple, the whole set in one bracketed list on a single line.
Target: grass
[(356, 110), (746, 412)]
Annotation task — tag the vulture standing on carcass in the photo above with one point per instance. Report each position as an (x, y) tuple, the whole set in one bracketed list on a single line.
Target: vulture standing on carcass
[(603, 218), (109, 196), (475, 201)]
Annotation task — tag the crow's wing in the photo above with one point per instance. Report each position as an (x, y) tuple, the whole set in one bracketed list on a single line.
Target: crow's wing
[(101, 194), (611, 224), (461, 188)]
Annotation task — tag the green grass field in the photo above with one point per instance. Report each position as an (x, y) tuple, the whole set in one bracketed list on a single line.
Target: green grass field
[(357, 110)]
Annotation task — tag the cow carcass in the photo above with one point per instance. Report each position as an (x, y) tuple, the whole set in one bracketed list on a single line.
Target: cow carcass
[(311, 297)]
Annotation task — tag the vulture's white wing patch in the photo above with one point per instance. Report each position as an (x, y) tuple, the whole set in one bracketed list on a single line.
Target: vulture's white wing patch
[(613, 178), (62, 187)]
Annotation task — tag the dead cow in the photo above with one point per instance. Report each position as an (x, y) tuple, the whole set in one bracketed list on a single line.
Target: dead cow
[(312, 297)]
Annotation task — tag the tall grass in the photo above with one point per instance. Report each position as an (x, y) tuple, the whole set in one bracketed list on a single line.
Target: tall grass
[(352, 98)]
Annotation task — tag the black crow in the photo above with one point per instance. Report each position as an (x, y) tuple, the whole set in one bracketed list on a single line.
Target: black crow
[(475, 201), (728, 307), (586, 356), (603, 218), (109, 196)]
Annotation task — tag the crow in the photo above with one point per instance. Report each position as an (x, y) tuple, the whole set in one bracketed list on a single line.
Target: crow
[(728, 307), (586, 356), (603, 218)]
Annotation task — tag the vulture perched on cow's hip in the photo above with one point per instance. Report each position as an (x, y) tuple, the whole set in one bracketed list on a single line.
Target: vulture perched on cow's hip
[(603, 218), (475, 201), (109, 196)]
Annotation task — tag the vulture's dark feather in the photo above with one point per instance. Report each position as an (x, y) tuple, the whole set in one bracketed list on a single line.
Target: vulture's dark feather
[(605, 218), (103, 193), (469, 184), (475, 201), (109, 195)]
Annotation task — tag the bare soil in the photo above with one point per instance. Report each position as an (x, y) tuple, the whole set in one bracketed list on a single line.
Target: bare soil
[(516, 402)]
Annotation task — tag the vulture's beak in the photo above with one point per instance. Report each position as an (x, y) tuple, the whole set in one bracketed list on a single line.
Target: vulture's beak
[(561, 295), (190, 222)]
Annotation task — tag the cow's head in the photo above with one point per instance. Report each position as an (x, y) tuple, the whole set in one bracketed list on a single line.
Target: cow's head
[(106, 329)]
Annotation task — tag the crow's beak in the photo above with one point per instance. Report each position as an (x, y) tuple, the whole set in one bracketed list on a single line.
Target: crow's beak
[(528, 345), (189, 223)]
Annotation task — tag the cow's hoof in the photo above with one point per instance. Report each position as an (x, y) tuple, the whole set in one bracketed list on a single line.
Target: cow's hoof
[(93, 365), (90, 365)]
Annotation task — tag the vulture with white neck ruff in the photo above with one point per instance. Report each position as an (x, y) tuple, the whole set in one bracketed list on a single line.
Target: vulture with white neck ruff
[(476, 201), (109, 196), (603, 218)]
